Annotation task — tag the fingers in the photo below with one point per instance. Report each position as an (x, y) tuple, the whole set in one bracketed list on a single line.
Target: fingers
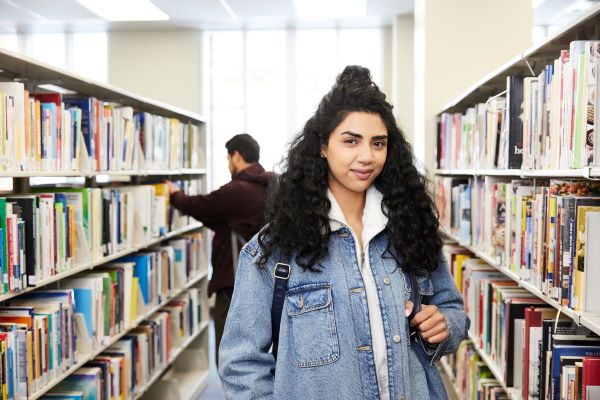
[(434, 320), (425, 313), (431, 324), (436, 330), (439, 338)]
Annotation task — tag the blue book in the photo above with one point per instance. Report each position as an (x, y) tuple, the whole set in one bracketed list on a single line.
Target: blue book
[(84, 305), (85, 379), (560, 350), (142, 271), (49, 149), (85, 104)]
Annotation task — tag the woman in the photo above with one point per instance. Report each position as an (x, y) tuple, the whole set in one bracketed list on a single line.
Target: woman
[(351, 215)]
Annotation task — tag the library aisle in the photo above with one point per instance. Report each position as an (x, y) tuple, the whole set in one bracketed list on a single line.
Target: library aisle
[(117, 115)]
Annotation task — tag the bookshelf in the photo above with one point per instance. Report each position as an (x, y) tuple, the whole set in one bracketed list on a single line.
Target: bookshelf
[(530, 63), (38, 77)]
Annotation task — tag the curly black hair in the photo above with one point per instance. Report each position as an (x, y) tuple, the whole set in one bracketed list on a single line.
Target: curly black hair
[(297, 207)]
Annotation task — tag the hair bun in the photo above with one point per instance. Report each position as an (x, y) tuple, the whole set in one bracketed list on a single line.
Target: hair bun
[(355, 75)]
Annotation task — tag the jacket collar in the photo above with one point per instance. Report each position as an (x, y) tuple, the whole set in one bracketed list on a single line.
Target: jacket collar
[(374, 220)]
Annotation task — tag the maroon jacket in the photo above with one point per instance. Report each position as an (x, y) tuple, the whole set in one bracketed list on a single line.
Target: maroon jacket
[(236, 206)]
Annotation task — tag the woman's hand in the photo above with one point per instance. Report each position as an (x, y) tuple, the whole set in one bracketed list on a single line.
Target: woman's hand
[(431, 324)]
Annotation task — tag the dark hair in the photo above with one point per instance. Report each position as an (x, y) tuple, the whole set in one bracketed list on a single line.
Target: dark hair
[(297, 207), (245, 145)]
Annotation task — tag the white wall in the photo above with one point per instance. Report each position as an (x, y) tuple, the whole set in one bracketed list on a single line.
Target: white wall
[(163, 65), (403, 78), (456, 43)]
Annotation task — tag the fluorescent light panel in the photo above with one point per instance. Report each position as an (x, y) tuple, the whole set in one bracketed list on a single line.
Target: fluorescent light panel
[(57, 89), (330, 8), (125, 10)]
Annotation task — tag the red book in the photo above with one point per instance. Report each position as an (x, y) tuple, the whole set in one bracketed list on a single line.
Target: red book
[(591, 374), (533, 319)]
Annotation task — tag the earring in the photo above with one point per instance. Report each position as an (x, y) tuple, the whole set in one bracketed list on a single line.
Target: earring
[(323, 156)]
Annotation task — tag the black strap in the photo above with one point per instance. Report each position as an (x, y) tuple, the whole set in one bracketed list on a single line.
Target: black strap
[(415, 298), (282, 274)]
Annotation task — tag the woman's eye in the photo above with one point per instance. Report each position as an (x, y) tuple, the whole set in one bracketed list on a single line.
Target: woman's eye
[(350, 141), (379, 145)]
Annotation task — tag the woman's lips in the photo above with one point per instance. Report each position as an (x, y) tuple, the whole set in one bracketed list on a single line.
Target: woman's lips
[(362, 174)]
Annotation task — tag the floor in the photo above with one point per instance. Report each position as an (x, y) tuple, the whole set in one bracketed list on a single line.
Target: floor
[(214, 391)]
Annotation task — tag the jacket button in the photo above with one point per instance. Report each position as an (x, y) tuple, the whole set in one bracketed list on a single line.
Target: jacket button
[(386, 280), (396, 338)]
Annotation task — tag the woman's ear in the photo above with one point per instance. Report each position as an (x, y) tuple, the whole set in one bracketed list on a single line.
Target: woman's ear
[(324, 151)]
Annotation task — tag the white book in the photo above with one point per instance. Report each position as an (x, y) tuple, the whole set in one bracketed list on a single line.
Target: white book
[(591, 294), (519, 345), (16, 135)]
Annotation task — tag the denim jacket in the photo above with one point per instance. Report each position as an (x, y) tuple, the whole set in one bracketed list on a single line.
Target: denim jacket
[(325, 337)]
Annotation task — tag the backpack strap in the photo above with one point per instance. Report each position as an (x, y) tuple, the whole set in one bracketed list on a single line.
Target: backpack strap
[(282, 275), (415, 298)]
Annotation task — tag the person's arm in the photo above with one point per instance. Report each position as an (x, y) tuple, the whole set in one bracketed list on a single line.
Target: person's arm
[(449, 303), (207, 208), (245, 363)]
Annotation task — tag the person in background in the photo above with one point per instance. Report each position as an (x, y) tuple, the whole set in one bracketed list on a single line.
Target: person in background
[(233, 212), (352, 236)]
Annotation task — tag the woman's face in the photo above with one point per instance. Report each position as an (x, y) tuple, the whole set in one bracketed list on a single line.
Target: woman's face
[(356, 151)]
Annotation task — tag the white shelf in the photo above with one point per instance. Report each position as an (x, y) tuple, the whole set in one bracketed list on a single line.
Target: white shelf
[(35, 174), (101, 261), (583, 173), (190, 383), (590, 321), (451, 378), (39, 393), (174, 354), (84, 358), (514, 394)]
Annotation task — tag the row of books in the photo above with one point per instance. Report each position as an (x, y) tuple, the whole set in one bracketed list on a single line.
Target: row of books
[(52, 132), (471, 376), (43, 332), (538, 230), (112, 297), (533, 349), (56, 229), (125, 368), (549, 121)]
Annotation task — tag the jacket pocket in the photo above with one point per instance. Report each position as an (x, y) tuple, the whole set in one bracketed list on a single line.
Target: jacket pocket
[(310, 309)]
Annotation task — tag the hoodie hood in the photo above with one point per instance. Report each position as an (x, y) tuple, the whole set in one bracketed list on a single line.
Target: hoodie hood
[(254, 173)]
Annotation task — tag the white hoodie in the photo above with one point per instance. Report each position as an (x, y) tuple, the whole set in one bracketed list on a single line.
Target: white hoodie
[(374, 221)]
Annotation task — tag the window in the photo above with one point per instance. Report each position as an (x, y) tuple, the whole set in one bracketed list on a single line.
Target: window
[(90, 52), (268, 83), (85, 54), (9, 41), (49, 48)]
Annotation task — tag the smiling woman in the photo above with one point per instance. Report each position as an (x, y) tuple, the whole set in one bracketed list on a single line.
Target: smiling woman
[(352, 235)]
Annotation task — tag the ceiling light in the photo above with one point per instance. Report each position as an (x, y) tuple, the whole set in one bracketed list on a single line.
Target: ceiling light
[(57, 89), (330, 8), (125, 10)]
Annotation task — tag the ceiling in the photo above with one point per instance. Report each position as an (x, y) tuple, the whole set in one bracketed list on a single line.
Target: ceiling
[(69, 15)]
